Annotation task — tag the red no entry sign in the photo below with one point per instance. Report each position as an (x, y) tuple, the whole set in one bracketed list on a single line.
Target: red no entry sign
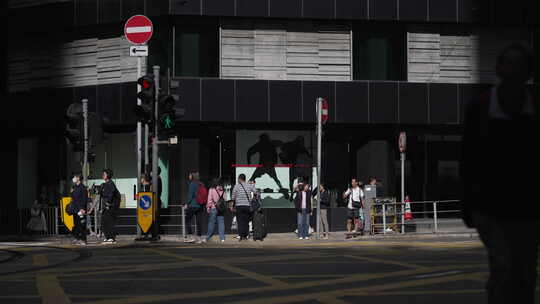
[(138, 29)]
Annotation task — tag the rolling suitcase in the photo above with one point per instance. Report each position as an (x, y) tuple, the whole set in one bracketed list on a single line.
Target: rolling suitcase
[(259, 226)]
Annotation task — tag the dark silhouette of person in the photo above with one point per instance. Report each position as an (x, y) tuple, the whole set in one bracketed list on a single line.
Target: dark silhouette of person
[(498, 146), (267, 150), (290, 153)]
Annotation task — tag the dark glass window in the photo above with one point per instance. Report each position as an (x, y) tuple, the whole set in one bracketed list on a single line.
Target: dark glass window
[(196, 50), (379, 52)]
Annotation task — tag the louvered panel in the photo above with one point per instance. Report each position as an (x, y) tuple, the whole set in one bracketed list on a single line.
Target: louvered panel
[(77, 63), (424, 57), (28, 3), (291, 50)]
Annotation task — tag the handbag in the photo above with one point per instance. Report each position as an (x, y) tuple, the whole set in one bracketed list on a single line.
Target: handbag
[(254, 203), (70, 210)]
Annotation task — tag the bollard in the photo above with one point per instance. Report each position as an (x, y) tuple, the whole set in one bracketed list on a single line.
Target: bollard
[(384, 218), (435, 226)]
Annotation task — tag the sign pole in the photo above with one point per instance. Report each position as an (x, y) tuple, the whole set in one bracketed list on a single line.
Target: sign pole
[(139, 138), (319, 156), (155, 140), (402, 192), (85, 134), (402, 142)]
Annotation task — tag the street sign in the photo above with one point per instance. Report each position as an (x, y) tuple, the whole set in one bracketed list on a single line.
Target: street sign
[(138, 51), (138, 29), (402, 142), (324, 114), (145, 210)]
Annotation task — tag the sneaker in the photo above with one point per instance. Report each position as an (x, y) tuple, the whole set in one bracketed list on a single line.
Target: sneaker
[(204, 240), (109, 241), (81, 243), (191, 240), (306, 238), (222, 241), (300, 238), (237, 237)]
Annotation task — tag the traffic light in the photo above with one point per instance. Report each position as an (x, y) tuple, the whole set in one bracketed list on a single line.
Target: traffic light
[(74, 127), (147, 95), (167, 116)]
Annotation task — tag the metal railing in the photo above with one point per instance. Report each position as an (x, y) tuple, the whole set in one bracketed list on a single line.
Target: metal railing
[(442, 216), (17, 221)]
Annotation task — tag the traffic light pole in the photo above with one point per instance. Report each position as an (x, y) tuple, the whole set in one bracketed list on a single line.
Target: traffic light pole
[(139, 130), (319, 153), (85, 138), (139, 139), (155, 140)]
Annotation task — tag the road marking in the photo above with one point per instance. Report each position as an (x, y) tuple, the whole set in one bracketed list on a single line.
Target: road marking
[(361, 291), (289, 287), (230, 268), (384, 261), (48, 285), (426, 292), (437, 274)]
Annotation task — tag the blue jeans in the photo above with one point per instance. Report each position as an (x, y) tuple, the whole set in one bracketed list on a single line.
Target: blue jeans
[(303, 223), (212, 224)]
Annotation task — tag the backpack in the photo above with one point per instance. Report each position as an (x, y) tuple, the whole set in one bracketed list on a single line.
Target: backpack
[(117, 198), (202, 194), (221, 205)]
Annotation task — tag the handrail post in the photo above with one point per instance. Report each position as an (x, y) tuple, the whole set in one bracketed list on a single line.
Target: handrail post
[(384, 218), (56, 220), (183, 223), (435, 224)]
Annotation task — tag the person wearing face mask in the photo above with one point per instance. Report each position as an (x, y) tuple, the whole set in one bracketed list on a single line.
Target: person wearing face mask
[(79, 199), (110, 202)]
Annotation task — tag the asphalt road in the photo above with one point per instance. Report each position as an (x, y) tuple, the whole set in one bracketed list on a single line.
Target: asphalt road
[(277, 271)]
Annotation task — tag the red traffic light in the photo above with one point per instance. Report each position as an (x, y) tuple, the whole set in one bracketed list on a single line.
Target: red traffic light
[(146, 82)]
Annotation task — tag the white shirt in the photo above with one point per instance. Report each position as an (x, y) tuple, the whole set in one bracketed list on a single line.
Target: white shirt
[(357, 196), (496, 112)]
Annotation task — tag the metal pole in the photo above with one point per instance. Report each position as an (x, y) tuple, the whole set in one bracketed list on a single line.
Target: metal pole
[(402, 192), (139, 130), (319, 156), (85, 134), (435, 225), (183, 223), (139, 141), (384, 218), (56, 220), (155, 140)]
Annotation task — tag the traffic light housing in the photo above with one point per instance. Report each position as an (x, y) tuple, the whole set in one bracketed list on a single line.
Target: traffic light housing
[(147, 95), (74, 126)]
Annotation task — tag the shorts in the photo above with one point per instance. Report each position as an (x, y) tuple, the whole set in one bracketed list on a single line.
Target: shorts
[(353, 213)]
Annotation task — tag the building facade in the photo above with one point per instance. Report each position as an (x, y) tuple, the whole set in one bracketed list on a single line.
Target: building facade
[(246, 69)]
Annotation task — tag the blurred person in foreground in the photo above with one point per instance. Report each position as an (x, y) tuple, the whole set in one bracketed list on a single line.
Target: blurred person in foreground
[(498, 142)]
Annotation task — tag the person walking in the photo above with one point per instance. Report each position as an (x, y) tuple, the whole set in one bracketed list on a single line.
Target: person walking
[(110, 202), (354, 196), (193, 208), (499, 141), (325, 205), (302, 203), (216, 207), (242, 195), (79, 200)]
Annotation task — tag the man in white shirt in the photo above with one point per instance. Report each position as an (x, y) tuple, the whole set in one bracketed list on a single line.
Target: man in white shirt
[(355, 197)]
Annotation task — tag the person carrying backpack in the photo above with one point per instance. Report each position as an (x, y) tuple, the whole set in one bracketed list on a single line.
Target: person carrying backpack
[(197, 198), (216, 207), (110, 203)]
